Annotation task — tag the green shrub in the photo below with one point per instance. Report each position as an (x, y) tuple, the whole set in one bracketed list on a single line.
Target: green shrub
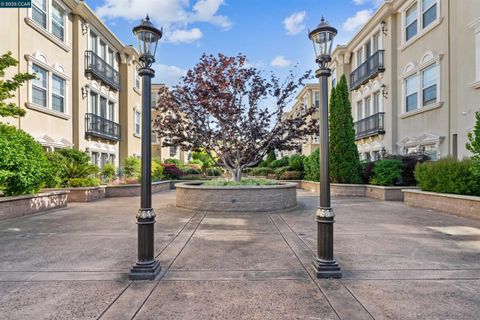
[(448, 176), (296, 162), (108, 172), (83, 182), (473, 145), (176, 162), (409, 163), (75, 155), (283, 162), (79, 170), (157, 170), (280, 171), (56, 175), (387, 173), (23, 164), (131, 167), (207, 161), (190, 170), (261, 171), (196, 161), (292, 175), (214, 172), (312, 166)]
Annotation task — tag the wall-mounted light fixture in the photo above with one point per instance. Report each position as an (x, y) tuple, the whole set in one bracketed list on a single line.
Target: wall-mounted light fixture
[(85, 90), (383, 26), (384, 91), (85, 27)]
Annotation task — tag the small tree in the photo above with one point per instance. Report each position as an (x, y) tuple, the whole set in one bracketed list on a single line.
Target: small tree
[(8, 87), (474, 145), (233, 112), (344, 162)]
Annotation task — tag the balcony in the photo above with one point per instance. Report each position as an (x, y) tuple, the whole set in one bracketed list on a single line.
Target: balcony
[(101, 70), (102, 128), (370, 126), (367, 70)]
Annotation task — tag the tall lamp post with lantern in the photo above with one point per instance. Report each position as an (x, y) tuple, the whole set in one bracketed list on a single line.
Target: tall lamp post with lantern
[(146, 267), (325, 265)]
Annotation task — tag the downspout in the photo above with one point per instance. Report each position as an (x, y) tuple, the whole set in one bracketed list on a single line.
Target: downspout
[(449, 82), (19, 63)]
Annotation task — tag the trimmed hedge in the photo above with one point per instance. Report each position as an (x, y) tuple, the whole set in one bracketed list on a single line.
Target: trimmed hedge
[(296, 162), (279, 163), (261, 171), (312, 166), (448, 176), (83, 182), (387, 173)]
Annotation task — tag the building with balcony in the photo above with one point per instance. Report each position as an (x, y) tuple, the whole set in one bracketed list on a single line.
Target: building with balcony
[(85, 95), (414, 77)]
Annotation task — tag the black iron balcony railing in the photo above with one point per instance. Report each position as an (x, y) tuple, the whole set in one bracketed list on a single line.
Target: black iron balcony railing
[(367, 70), (370, 126), (101, 70), (100, 127)]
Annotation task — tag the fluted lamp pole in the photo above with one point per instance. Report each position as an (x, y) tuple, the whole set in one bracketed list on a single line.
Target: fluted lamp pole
[(146, 267), (325, 265)]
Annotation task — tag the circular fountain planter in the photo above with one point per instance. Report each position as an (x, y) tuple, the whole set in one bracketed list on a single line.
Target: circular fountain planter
[(196, 196)]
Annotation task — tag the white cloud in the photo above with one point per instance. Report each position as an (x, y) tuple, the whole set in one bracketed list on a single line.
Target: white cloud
[(295, 23), (174, 15), (357, 21), (375, 3), (359, 2), (184, 36), (281, 62), (169, 75)]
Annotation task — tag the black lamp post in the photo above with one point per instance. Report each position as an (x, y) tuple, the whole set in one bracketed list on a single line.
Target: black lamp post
[(325, 265), (147, 267)]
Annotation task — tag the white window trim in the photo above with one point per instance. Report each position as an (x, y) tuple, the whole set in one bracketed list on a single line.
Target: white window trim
[(137, 77), (47, 32), (475, 26), (108, 98), (135, 111), (418, 71), (31, 60), (108, 47), (420, 30)]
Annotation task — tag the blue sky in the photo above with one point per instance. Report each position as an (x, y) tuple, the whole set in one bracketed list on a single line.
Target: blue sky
[(271, 33)]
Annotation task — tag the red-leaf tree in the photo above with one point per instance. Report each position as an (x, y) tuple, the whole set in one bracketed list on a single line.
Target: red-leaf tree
[(233, 112)]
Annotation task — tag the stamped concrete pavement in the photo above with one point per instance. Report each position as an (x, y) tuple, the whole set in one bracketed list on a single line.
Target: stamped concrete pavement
[(398, 263)]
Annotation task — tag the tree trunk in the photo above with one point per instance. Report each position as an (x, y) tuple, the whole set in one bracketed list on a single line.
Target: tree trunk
[(236, 173)]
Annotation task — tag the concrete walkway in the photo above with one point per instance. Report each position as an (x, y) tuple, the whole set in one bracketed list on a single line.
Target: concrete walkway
[(398, 263)]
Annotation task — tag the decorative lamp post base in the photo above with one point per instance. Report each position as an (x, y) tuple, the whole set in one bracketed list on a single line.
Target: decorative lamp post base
[(327, 269), (145, 271)]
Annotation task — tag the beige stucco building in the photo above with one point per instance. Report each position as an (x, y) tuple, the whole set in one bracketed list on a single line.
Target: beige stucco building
[(158, 151), (414, 77), (87, 93)]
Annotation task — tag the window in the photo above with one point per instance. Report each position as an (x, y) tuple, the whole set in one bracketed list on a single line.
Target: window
[(429, 12), (154, 137), (317, 99), (58, 21), (58, 94), (173, 151), (429, 85), (334, 79), (93, 103), (137, 79), (93, 42), (137, 122), (95, 158), (359, 57), (359, 110), (376, 42), (112, 159), (104, 159), (110, 59), (103, 51), (367, 106), (411, 22), (39, 12), (39, 86), (376, 102), (111, 111), (411, 93)]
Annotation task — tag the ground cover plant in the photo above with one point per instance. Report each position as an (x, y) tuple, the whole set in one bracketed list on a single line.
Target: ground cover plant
[(243, 182)]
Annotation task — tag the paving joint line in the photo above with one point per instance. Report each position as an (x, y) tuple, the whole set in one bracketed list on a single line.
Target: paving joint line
[(173, 261), (304, 267)]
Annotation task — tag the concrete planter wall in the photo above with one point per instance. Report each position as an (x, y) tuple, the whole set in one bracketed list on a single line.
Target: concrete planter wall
[(298, 182), (359, 190), (86, 194), (465, 206), (133, 190), (11, 207), (195, 196)]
